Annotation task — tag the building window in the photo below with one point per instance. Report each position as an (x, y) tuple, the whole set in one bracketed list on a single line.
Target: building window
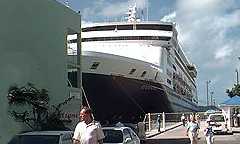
[(95, 65), (132, 71), (143, 74)]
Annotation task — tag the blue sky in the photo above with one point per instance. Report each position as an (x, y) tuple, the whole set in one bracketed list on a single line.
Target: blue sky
[(209, 31)]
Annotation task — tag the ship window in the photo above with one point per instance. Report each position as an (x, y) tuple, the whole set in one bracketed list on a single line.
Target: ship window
[(162, 38), (125, 27), (154, 27), (99, 28), (132, 71), (143, 74), (156, 76), (95, 65), (174, 67), (169, 82), (130, 27)]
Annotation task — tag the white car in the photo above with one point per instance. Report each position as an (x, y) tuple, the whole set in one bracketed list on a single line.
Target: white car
[(43, 137), (120, 135), (218, 122)]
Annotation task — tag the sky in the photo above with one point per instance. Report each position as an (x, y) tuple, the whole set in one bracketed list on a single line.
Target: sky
[(209, 32)]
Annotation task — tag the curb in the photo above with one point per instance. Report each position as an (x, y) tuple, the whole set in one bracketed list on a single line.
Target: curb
[(172, 127)]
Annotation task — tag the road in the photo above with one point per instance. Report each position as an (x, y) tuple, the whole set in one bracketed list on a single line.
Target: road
[(178, 136)]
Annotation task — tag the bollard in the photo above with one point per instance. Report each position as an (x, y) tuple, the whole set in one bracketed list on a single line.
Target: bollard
[(149, 122), (163, 117)]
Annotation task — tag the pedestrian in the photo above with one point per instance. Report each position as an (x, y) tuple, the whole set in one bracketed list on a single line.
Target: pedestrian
[(192, 129), (188, 119), (159, 123), (183, 119), (197, 118), (87, 130), (208, 132), (235, 123)]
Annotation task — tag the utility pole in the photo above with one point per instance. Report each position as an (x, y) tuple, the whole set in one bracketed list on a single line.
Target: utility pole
[(214, 102), (207, 82), (211, 98), (237, 76), (237, 73)]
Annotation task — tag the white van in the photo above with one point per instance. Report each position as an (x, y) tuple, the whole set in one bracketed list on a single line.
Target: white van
[(218, 121)]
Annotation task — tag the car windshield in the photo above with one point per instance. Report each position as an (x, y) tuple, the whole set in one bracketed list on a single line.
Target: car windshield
[(39, 139), (217, 118), (112, 136)]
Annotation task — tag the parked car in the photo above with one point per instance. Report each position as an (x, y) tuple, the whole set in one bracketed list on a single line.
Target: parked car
[(218, 122), (43, 137), (120, 135)]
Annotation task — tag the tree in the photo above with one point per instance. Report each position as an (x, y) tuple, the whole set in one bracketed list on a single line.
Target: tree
[(234, 91), (40, 116)]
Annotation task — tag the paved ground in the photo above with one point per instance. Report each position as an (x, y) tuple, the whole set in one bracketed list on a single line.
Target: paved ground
[(178, 136)]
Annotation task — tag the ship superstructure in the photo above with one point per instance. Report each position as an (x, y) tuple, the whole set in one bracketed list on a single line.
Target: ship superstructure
[(132, 68)]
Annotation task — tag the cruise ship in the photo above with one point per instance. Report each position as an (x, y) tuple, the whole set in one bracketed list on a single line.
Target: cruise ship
[(133, 68)]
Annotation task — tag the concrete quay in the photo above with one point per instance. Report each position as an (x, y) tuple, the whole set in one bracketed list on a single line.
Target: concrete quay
[(177, 134)]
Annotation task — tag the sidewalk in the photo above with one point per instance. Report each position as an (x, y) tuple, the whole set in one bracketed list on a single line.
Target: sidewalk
[(236, 129), (155, 132), (179, 132)]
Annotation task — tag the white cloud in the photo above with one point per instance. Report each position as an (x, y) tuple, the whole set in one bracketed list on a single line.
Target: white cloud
[(104, 8), (210, 31), (121, 8), (86, 23), (206, 28), (223, 52), (115, 9), (170, 17), (213, 65)]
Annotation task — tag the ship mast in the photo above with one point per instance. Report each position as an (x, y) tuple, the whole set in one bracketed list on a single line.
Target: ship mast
[(132, 14)]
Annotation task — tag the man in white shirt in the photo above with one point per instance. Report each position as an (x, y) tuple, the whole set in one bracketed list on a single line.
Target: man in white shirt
[(87, 130)]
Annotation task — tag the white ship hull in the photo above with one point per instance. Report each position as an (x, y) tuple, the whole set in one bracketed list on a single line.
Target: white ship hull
[(120, 95)]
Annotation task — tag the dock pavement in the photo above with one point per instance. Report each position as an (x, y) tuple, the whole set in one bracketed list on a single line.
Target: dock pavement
[(177, 134)]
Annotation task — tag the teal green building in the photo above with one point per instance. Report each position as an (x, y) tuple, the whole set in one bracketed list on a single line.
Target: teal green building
[(33, 39)]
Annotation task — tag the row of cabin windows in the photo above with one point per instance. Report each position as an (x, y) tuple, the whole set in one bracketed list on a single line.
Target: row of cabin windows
[(163, 38), (129, 27), (96, 64)]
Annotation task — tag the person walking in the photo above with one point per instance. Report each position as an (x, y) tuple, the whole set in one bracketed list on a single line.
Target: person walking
[(197, 118), (159, 123), (192, 129), (87, 130), (208, 132), (235, 121), (183, 119)]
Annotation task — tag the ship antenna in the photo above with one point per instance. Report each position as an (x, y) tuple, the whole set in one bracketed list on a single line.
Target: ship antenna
[(132, 13), (147, 10)]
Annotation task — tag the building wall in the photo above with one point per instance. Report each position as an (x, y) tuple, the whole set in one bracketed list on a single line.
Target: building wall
[(33, 49)]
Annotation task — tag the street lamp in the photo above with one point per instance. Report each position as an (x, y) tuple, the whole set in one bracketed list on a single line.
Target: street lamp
[(207, 82)]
